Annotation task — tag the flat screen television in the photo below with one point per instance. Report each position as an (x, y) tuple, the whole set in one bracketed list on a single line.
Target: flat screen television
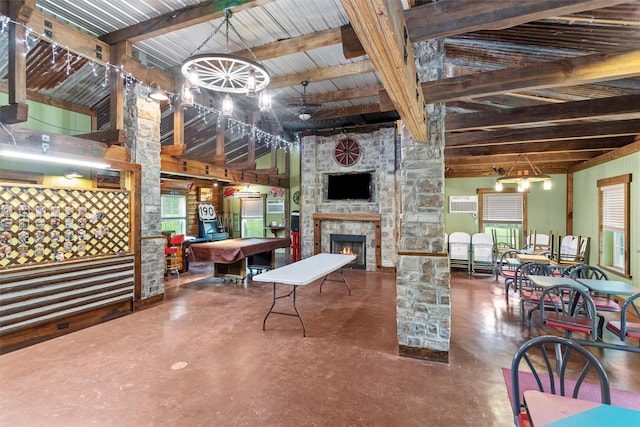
[(349, 186)]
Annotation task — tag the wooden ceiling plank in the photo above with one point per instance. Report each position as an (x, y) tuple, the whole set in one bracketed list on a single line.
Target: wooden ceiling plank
[(382, 31), (447, 18), (588, 109), (178, 19), (320, 74), (566, 72)]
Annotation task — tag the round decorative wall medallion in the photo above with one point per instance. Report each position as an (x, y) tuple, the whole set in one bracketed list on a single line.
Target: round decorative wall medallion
[(296, 197), (347, 152)]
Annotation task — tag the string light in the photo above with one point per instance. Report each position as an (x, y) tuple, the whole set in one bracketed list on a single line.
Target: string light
[(235, 125)]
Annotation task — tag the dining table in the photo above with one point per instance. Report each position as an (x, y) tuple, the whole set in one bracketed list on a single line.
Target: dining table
[(609, 287), (552, 410), (548, 281)]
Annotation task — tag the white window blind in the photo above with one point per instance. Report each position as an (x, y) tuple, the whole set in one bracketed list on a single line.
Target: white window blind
[(613, 207), (252, 208), (502, 207)]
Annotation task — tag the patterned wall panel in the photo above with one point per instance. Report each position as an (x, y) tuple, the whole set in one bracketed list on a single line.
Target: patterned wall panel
[(43, 225)]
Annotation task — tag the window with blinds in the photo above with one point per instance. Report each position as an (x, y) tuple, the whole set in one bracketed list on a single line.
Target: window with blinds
[(614, 195), (502, 208), (613, 207)]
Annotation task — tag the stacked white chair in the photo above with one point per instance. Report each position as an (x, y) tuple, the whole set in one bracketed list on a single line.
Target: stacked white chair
[(459, 250), (482, 253)]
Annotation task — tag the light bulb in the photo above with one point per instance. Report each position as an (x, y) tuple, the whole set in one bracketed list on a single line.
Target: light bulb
[(227, 106), (525, 183), (498, 186), (546, 185)]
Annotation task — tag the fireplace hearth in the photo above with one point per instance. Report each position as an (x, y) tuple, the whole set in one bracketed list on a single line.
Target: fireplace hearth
[(350, 244)]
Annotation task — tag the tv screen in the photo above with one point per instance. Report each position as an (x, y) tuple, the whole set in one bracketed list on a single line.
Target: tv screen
[(349, 186)]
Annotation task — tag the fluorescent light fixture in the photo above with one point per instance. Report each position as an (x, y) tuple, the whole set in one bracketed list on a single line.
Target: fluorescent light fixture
[(52, 159), (72, 174)]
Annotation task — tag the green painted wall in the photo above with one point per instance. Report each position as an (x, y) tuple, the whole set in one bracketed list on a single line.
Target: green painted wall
[(46, 118), (545, 208), (585, 207)]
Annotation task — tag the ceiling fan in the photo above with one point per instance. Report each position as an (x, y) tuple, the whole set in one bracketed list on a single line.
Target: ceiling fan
[(306, 109)]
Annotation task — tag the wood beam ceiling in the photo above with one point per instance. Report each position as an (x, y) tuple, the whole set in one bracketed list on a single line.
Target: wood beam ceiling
[(608, 143), (589, 109), (544, 133), (446, 17), (178, 19), (382, 31), (566, 72)]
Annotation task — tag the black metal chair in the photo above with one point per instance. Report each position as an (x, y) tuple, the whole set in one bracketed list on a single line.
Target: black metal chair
[(584, 271), (529, 293), (551, 360)]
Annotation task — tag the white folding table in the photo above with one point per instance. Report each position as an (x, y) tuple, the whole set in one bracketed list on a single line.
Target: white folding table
[(302, 273)]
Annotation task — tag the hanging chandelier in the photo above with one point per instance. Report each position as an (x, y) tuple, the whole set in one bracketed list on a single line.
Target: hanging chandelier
[(226, 73), (524, 177)]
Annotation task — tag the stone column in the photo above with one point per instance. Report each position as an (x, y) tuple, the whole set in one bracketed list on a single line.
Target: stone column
[(422, 272), (142, 125)]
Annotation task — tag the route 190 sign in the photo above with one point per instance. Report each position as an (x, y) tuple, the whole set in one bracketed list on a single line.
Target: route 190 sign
[(206, 212)]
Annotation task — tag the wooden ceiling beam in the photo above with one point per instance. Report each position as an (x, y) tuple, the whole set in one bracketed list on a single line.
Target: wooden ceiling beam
[(540, 147), (566, 72), (607, 157), (508, 159), (588, 109), (382, 31), (292, 45), (447, 18), (178, 19), (320, 74), (67, 36), (544, 133), (54, 102), (339, 95)]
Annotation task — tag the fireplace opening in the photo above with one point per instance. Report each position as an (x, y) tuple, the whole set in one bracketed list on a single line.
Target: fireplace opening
[(350, 244)]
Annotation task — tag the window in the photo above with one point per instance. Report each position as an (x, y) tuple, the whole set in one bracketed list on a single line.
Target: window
[(613, 224), (503, 212), (174, 213)]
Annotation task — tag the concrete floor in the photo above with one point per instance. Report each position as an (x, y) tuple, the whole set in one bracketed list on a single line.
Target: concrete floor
[(201, 358)]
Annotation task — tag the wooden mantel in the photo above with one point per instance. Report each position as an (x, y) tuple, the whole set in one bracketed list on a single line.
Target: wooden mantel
[(375, 218)]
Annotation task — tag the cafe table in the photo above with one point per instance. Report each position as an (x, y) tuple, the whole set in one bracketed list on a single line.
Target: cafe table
[(552, 410), (548, 281), (609, 287)]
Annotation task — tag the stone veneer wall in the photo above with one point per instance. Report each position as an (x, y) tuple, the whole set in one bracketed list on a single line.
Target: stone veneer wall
[(142, 125), (379, 157), (422, 274)]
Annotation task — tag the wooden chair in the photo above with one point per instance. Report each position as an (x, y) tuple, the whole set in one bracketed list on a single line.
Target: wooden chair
[(572, 310), (623, 328), (552, 360)]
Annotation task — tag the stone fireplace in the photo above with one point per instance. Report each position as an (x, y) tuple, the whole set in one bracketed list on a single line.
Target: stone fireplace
[(375, 218), (350, 244)]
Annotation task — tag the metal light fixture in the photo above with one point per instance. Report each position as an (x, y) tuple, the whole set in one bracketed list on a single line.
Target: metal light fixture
[(524, 177), (223, 72), (52, 159), (157, 93)]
